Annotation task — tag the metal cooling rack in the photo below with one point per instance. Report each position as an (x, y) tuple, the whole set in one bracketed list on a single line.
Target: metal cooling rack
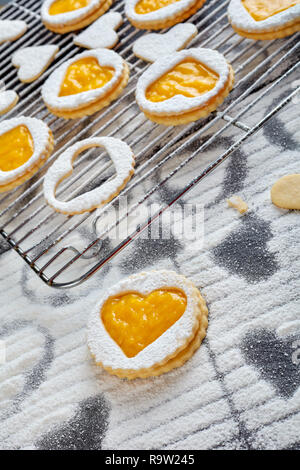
[(51, 243)]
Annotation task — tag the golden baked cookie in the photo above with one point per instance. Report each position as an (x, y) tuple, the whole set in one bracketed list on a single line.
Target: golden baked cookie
[(264, 19), (25, 145), (123, 161), (159, 14), (147, 324), (285, 193), (62, 16), (85, 83), (184, 86)]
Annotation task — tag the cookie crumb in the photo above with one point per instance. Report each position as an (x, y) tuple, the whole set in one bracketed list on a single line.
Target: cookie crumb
[(237, 203)]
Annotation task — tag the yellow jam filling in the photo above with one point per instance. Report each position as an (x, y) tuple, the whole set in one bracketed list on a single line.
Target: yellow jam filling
[(16, 147), (189, 78), (84, 75), (262, 9), (64, 6), (134, 321), (146, 6)]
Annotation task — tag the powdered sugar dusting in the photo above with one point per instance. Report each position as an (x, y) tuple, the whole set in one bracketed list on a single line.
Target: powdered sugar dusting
[(33, 61), (101, 34), (8, 99), (64, 19), (162, 14)]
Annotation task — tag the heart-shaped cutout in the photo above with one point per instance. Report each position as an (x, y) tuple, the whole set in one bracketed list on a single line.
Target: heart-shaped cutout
[(123, 161), (153, 46), (102, 33), (25, 143), (85, 83), (147, 324), (264, 19), (8, 100), (11, 30), (285, 192), (58, 7), (33, 61), (134, 320)]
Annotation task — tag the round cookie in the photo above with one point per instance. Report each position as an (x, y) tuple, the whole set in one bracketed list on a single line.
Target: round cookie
[(285, 193)]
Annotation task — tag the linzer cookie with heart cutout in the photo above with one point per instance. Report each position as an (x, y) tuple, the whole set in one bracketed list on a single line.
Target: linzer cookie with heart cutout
[(184, 86), (159, 14), (123, 161), (25, 145), (85, 84), (264, 19), (147, 324), (62, 16)]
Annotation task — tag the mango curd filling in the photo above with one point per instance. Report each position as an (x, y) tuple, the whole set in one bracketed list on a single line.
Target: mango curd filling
[(188, 78), (16, 147), (85, 75), (134, 321), (262, 9), (65, 6), (147, 6)]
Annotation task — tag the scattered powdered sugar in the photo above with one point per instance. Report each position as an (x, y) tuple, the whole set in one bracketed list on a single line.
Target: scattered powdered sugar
[(10, 30), (40, 136), (240, 18), (33, 61), (179, 103), (104, 348), (151, 47), (51, 88), (122, 158), (101, 34)]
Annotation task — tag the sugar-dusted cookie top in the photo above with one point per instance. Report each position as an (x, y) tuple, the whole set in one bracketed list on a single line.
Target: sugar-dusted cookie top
[(101, 34)]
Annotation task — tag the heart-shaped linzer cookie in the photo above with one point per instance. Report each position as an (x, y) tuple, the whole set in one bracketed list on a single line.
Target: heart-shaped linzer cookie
[(8, 99), (25, 144), (123, 161), (264, 19), (101, 33), (147, 324), (33, 61), (153, 46), (11, 30)]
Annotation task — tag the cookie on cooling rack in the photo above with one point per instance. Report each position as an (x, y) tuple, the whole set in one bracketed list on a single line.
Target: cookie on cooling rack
[(184, 86), (10, 30), (147, 324), (102, 33), (159, 14), (33, 61), (8, 100), (85, 84), (25, 145), (62, 16), (264, 19), (122, 158)]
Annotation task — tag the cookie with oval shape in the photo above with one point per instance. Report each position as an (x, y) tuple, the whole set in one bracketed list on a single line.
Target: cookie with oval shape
[(285, 193), (10, 30), (147, 324), (264, 19), (33, 61), (102, 33), (122, 159), (25, 144), (85, 83), (63, 16), (184, 86), (153, 46), (159, 14)]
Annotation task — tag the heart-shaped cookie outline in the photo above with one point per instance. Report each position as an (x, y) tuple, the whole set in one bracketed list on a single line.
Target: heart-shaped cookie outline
[(180, 104), (69, 18), (241, 19), (33, 61), (41, 136), (102, 33), (122, 158), (8, 100), (17, 29), (175, 339), (169, 12), (151, 47), (52, 86)]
